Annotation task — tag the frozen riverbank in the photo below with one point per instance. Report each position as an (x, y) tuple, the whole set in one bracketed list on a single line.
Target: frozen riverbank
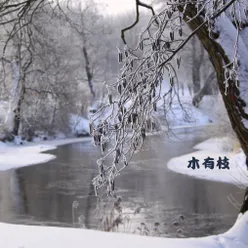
[(19, 236), (14, 156), (214, 148)]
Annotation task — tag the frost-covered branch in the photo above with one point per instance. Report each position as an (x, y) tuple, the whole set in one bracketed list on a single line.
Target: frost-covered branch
[(121, 126)]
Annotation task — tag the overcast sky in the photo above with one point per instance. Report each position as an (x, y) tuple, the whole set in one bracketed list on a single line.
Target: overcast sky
[(120, 6)]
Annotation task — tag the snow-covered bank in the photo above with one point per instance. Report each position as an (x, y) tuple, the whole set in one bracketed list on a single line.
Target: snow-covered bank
[(79, 125), (210, 110), (19, 236), (214, 148), (14, 156)]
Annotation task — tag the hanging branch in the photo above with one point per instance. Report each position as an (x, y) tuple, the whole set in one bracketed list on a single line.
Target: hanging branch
[(123, 123)]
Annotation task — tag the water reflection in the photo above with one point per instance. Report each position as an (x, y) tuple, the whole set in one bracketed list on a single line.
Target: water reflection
[(166, 203)]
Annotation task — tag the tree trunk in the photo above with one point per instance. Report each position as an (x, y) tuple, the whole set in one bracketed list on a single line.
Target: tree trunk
[(204, 90), (15, 101), (17, 112), (232, 100), (196, 65), (88, 72)]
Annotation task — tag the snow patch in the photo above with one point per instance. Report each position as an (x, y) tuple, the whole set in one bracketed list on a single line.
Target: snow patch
[(79, 125), (17, 236), (15, 156), (214, 148), (184, 113)]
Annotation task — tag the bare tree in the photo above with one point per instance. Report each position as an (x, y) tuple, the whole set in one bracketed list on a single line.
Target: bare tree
[(139, 82), (195, 62), (197, 59), (20, 61), (65, 56), (221, 27), (88, 25), (208, 88)]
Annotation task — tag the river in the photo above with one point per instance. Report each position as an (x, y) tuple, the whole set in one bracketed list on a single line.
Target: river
[(165, 203)]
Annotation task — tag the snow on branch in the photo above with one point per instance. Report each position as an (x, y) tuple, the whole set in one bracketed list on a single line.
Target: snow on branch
[(120, 127)]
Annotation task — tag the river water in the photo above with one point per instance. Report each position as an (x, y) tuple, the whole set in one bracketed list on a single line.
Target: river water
[(154, 199)]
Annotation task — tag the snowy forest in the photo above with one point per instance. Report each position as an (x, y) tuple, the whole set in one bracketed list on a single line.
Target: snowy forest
[(53, 70), (144, 111)]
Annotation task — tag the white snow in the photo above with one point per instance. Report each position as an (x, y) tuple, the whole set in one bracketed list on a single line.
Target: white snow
[(214, 148), (14, 156), (227, 40), (210, 109), (79, 124), (19, 236)]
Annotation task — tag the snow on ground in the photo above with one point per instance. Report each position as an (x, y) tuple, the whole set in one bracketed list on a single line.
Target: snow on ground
[(14, 156), (20, 236), (22, 153), (210, 109), (79, 125), (189, 115), (214, 148)]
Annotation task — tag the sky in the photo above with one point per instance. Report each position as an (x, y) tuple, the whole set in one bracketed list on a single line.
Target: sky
[(120, 6)]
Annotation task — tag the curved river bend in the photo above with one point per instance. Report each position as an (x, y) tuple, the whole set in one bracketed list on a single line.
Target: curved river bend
[(181, 206)]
